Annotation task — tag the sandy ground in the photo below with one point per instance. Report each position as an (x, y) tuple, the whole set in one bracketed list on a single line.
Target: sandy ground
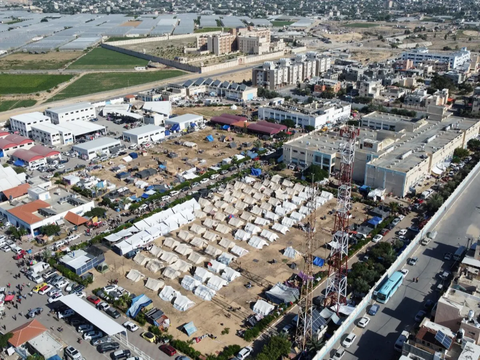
[(27, 59), (344, 37)]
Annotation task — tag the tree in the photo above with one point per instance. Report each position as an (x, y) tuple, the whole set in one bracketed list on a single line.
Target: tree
[(394, 207), (288, 123), (461, 153), (434, 203), (96, 211), (17, 233), (50, 229), (474, 145), (315, 344), (360, 286), (277, 347), (309, 128), (315, 173), (4, 339)]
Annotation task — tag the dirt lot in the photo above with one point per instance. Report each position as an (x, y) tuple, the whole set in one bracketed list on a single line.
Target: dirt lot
[(51, 60), (215, 316), (168, 49)]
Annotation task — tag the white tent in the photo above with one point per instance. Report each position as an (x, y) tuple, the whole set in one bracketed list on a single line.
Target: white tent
[(220, 216), (182, 266), (289, 206), (304, 210), (199, 242), (274, 201), (197, 229), (271, 216), (298, 187), (184, 249), (168, 293), (169, 257), (242, 235), (183, 303), (204, 202), (223, 229), (216, 266), (213, 251), (226, 243), (220, 204), (287, 183), (280, 210), (210, 236), (240, 205), (226, 258), (204, 293), (266, 206), (239, 251), (199, 214), (229, 274), (326, 195), (156, 251), (288, 222), (276, 179), (216, 283), (252, 229), (236, 222), (262, 222), (141, 259), (135, 275), (249, 200), (189, 283), (259, 196), (231, 210), (196, 258), (210, 209), (210, 223), (296, 216), (154, 284), (257, 210), (247, 216), (257, 242), (171, 273), (170, 243), (201, 274), (263, 308), (280, 228), (155, 265), (270, 236), (297, 200), (290, 253), (185, 235)]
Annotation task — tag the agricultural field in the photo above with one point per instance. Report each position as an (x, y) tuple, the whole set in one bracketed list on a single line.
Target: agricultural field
[(208, 29), (99, 59), (94, 83), (11, 84), (14, 104), (49, 61), (360, 25), (282, 23)]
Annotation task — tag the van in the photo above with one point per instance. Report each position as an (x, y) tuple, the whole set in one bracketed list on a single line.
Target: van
[(459, 253), (425, 241), (401, 340)]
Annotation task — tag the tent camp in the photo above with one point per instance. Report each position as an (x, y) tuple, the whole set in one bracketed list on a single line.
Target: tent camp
[(226, 258), (181, 265), (201, 274), (257, 242), (155, 265), (280, 228), (141, 259), (239, 251), (216, 283), (154, 284), (183, 303), (216, 266), (156, 251), (204, 293), (326, 195), (135, 275), (184, 249), (168, 293), (213, 251), (170, 243), (252, 229), (257, 210), (196, 258), (185, 235), (171, 273), (236, 222), (210, 236), (199, 242), (189, 283), (138, 303), (229, 274), (242, 235), (262, 222), (226, 243), (197, 229), (263, 308), (247, 216), (291, 253), (270, 236), (281, 293), (297, 216), (210, 223), (199, 214), (288, 222), (271, 216), (169, 257), (223, 229)]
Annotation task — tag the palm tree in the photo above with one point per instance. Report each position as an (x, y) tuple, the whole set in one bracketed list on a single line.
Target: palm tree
[(315, 344), (394, 207)]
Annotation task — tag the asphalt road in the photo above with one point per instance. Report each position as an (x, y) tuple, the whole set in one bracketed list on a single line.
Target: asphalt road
[(377, 339)]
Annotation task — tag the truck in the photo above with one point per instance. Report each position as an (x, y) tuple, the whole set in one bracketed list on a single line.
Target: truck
[(39, 267), (459, 253)]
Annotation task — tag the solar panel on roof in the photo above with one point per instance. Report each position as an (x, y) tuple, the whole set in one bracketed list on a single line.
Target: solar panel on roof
[(443, 339)]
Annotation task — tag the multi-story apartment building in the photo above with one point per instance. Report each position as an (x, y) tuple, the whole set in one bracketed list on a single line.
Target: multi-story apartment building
[(456, 60), (222, 43), (22, 124)]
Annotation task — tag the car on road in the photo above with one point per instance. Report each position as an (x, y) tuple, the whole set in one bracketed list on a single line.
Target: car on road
[(130, 326), (84, 328), (147, 335), (396, 221), (349, 340), (377, 238), (120, 354), (102, 340), (113, 313), (338, 353), (166, 198), (363, 322), (384, 231), (402, 232), (404, 272), (428, 304), (102, 348), (168, 349), (214, 176), (287, 329), (72, 353), (181, 357), (444, 275), (65, 314), (373, 309), (447, 256), (244, 353), (94, 300), (420, 315), (412, 261), (93, 334)]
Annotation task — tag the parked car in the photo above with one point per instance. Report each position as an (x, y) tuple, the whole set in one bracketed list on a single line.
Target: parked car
[(130, 326), (113, 313), (404, 272), (147, 335), (377, 238), (107, 347), (168, 349), (349, 340), (72, 353), (373, 309), (244, 353), (65, 314), (420, 315), (93, 334), (34, 312), (363, 322), (339, 353), (84, 328), (54, 297), (93, 299), (120, 354), (102, 340), (412, 261)]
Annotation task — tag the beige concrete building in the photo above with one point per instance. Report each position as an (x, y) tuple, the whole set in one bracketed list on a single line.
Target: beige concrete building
[(222, 43)]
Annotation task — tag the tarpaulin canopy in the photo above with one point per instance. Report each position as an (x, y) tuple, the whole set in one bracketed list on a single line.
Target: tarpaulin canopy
[(209, 138), (138, 304), (281, 293), (375, 221), (255, 172), (19, 162), (263, 308), (189, 328), (318, 261)]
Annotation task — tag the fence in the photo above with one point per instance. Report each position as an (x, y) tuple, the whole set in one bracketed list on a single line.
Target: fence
[(136, 350), (324, 352)]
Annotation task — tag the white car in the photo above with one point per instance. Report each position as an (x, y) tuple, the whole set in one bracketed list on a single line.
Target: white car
[(70, 287), (401, 217), (377, 238), (348, 341), (62, 283), (174, 192), (404, 272), (402, 232), (244, 353), (54, 298), (166, 197), (103, 306), (109, 288), (72, 238), (396, 221), (363, 322), (204, 181), (214, 176), (81, 294), (130, 326), (46, 290)]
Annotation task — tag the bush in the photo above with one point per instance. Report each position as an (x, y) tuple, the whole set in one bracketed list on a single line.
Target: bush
[(69, 274), (227, 353), (141, 318), (183, 347), (155, 330)]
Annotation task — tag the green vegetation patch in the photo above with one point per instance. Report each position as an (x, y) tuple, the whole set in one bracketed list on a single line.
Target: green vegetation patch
[(208, 29), (93, 83), (120, 38), (13, 104), (100, 58), (28, 84), (282, 23), (360, 25)]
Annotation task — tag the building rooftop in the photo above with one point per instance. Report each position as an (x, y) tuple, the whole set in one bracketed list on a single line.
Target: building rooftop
[(185, 118), (29, 117), (314, 109), (26, 332), (141, 130), (97, 143), (461, 300), (72, 107), (78, 128)]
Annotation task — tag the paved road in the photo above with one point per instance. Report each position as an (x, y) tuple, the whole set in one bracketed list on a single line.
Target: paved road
[(459, 222)]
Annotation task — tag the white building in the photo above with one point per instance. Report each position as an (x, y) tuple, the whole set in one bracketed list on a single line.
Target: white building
[(144, 134), (23, 123), (457, 60), (184, 122), (308, 116), (97, 147), (50, 134), (83, 111)]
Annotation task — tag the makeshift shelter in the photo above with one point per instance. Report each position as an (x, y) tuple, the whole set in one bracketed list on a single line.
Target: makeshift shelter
[(196, 258), (155, 265), (199, 242), (204, 293), (226, 258), (375, 221), (242, 235), (154, 284), (257, 210), (197, 229), (318, 261), (252, 229), (185, 235), (189, 328), (229, 274), (263, 308), (170, 243), (288, 222), (216, 283), (280, 228), (135, 275), (257, 242), (189, 283), (326, 195), (215, 266), (236, 222), (262, 222), (156, 251), (201, 274), (247, 216), (291, 253), (184, 249), (210, 223), (183, 303), (138, 303), (168, 293), (169, 257), (239, 251), (226, 243), (220, 216), (209, 138), (296, 216), (271, 216), (210, 236), (213, 251), (141, 259), (282, 294), (182, 266), (270, 236), (171, 273), (223, 229), (199, 214)]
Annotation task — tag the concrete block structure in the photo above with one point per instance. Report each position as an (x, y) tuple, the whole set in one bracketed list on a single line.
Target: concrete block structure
[(83, 111), (456, 60), (22, 124)]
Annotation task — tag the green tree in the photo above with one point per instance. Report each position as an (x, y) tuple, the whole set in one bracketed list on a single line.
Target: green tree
[(315, 173), (288, 123), (474, 145), (96, 211), (360, 286), (4, 339), (277, 347), (394, 207), (461, 153), (309, 128), (50, 229), (434, 203), (17, 233), (315, 344)]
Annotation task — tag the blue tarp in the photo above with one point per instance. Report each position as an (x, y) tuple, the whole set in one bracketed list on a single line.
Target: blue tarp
[(163, 167), (209, 138), (189, 328), (149, 188), (55, 357), (145, 196), (19, 162), (138, 304), (133, 197), (175, 127), (256, 172), (133, 155), (318, 261), (251, 154), (375, 221), (167, 132), (365, 188), (225, 127)]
